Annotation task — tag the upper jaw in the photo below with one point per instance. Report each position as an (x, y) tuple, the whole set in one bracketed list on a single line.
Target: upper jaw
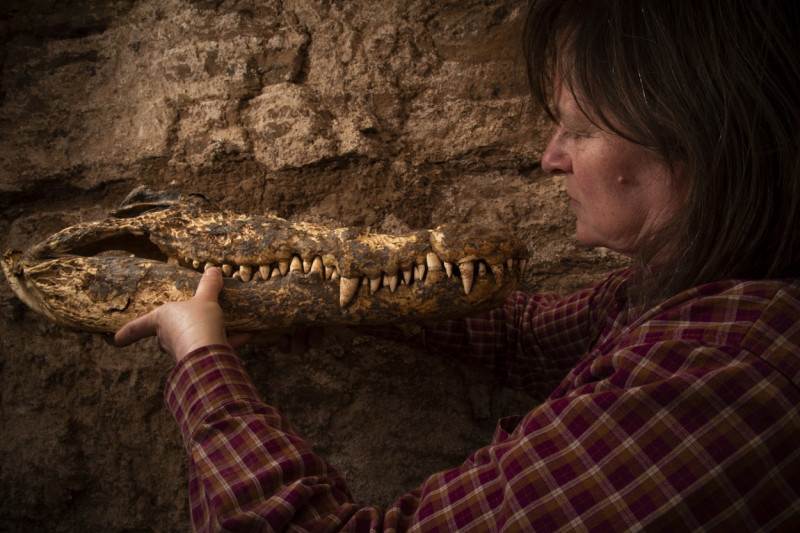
[(257, 252)]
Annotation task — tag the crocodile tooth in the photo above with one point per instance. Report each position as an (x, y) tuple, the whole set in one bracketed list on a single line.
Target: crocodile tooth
[(283, 266), (306, 266), (296, 265), (374, 285), (246, 273), (510, 264), (316, 266), (276, 271), (498, 272), (392, 282), (347, 290), (407, 276), (522, 264), (227, 269), (467, 269), (264, 271), (335, 275), (329, 270), (196, 264), (173, 261), (481, 270), (434, 263), (208, 265), (448, 267), (419, 272)]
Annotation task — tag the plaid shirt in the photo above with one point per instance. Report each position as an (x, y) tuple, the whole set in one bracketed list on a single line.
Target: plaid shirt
[(684, 418)]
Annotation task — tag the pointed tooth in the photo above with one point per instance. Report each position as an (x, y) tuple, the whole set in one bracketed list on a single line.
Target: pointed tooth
[(467, 269), (246, 273), (296, 265), (481, 270), (522, 264), (498, 272), (173, 261), (392, 282), (236, 275), (448, 267), (283, 266), (316, 266), (264, 271), (407, 276), (347, 290), (374, 285), (335, 275), (329, 271), (196, 264), (227, 269), (419, 272), (510, 264), (306, 266), (433, 261), (208, 265), (276, 272)]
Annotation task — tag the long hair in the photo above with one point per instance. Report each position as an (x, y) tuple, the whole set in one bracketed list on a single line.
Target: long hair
[(713, 87)]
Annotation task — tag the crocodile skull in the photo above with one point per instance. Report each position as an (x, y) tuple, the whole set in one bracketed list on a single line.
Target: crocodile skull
[(96, 276)]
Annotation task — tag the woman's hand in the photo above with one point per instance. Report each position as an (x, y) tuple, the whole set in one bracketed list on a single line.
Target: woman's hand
[(182, 327)]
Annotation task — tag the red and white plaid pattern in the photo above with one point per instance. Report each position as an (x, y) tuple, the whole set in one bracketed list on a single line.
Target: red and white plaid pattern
[(684, 418)]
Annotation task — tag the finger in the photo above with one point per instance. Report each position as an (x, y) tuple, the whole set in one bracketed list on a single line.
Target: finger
[(210, 285), (138, 328)]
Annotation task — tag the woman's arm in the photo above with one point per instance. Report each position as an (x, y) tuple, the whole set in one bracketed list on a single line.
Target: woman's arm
[(532, 341)]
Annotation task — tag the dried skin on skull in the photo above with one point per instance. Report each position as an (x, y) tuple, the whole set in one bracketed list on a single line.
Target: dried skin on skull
[(277, 274)]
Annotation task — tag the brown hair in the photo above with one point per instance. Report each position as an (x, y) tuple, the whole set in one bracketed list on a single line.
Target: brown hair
[(711, 86)]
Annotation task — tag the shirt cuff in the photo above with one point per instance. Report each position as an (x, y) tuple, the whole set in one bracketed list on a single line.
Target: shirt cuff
[(204, 381)]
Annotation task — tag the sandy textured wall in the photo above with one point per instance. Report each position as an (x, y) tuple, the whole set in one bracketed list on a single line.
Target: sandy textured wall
[(392, 114)]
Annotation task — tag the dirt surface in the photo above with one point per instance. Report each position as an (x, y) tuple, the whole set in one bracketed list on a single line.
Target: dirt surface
[(389, 114)]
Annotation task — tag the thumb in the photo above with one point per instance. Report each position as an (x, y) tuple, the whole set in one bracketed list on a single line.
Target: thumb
[(210, 285), (138, 328)]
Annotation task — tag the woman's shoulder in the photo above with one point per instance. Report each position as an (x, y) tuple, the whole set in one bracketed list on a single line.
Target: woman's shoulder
[(733, 300), (757, 317), (740, 301), (775, 331)]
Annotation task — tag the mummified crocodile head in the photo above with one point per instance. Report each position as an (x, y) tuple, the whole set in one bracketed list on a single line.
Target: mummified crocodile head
[(96, 276)]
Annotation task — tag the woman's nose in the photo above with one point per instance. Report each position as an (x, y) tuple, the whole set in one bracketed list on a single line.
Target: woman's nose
[(555, 159)]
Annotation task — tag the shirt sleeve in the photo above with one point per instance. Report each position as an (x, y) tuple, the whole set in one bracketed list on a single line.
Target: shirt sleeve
[(532, 341), (675, 450)]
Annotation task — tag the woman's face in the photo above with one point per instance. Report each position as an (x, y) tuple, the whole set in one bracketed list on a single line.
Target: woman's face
[(621, 192)]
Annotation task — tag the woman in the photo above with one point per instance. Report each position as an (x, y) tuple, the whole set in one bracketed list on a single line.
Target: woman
[(672, 388)]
